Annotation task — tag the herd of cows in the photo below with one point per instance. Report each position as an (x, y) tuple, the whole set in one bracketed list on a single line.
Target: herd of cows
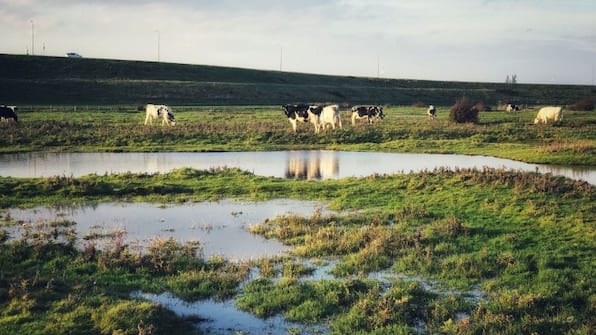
[(323, 116), (319, 116)]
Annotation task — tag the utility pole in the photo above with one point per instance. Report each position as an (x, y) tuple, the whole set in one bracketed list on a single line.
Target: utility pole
[(281, 57), (32, 38), (378, 67), (158, 45)]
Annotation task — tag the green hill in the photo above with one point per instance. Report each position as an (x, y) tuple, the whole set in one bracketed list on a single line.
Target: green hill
[(61, 80)]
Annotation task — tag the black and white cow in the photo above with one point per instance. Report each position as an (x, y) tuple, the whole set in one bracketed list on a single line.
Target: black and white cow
[(431, 112), (296, 113), (9, 112), (512, 108), (157, 112), (370, 113)]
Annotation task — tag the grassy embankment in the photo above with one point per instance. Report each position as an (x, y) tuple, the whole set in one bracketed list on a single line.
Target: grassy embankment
[(525, 241), (405, 129), (32, 80)]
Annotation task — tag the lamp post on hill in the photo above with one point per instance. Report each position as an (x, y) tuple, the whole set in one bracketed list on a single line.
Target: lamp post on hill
[(158, 46)]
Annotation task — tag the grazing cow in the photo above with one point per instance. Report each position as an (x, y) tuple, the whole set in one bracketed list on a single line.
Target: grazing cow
[(330, 115), (162, 112), (550, 113), (512, 108), (432, 112), (9, 112), (296, 113), (370, 113)]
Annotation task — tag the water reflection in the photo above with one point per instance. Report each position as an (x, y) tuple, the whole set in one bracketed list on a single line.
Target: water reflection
[(311, 165), (221, 226)]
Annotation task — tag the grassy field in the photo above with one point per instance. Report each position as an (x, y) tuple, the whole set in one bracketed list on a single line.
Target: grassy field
[(466, 252), (258, 128), (29, 80)]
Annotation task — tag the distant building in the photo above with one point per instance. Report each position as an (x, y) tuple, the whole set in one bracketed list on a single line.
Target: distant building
[(73, 55)]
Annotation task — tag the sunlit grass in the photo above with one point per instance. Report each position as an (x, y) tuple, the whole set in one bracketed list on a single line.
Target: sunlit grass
[(259, 128)]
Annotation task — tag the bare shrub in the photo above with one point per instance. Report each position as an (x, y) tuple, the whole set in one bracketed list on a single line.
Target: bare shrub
[(583, 104), (464, 111)]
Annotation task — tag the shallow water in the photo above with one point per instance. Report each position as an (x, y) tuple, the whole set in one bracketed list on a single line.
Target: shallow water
[(224, 318), (220, 227), (312, 165)]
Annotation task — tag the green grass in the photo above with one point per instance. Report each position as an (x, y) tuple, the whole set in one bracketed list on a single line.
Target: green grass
[(525, 240), (258, 128)]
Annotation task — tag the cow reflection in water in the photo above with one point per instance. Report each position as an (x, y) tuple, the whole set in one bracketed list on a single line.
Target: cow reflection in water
[(312, 166)]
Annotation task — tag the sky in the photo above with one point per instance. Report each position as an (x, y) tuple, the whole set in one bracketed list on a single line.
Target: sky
[(539, 41)]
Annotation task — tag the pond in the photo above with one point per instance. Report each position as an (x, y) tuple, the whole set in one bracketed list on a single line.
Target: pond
[(220, 227), (307, 164)]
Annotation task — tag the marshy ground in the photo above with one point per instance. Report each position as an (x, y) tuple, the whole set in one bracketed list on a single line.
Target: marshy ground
[(462, 251)]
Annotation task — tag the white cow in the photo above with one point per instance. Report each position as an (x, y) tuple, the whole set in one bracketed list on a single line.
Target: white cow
[(330, 115), (162, 112), (432, 112), (549, 113)]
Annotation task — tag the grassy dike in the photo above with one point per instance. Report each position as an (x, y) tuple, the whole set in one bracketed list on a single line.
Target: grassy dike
[(60, 80), (526, 241)]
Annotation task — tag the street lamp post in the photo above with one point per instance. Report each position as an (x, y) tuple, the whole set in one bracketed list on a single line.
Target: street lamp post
[(158, 45)]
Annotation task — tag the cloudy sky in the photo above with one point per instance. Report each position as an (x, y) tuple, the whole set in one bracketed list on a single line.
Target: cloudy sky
[(540, 41)]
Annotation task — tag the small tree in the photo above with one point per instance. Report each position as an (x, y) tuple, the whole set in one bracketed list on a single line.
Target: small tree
[(464, 111)]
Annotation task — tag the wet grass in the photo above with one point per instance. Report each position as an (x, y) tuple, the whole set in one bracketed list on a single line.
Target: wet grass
[(47, 286), (259, 128), (524, 240)]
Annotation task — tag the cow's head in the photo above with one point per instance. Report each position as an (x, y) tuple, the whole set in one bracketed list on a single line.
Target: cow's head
[(166, 113), (170, 116), (286, 110), (302, 114), (380, 114)]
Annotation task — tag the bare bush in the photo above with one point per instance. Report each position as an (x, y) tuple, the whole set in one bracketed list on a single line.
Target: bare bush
[(464, 111)]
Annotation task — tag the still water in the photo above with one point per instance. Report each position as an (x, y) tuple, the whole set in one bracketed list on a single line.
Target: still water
[(309, 164), (220, 227)]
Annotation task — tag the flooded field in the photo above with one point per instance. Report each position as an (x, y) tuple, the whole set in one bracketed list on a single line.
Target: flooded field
[(311, 165), (223, 317), (220, 227)]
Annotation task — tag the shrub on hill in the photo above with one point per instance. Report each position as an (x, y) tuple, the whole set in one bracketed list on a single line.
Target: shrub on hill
[(583, 104), (464, 111)]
